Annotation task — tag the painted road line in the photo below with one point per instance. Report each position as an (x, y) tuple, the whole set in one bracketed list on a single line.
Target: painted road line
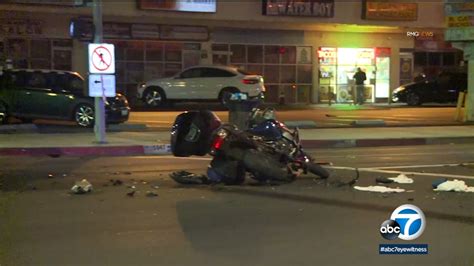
[(173, 157), (415, 166), (401, 172), (394, 154)]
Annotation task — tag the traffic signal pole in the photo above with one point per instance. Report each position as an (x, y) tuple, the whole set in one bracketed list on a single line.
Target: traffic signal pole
[(99, 105)]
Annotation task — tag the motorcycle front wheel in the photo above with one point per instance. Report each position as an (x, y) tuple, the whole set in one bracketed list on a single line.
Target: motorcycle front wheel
[(317, 170), (265, 167)]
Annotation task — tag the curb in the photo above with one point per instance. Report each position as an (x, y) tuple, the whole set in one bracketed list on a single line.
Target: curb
[(132, 150), (165, 149)]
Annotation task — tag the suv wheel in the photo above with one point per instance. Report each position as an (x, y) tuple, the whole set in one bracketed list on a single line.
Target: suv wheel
[(84, 115), (154, 97), (3, 114), (413, 99)]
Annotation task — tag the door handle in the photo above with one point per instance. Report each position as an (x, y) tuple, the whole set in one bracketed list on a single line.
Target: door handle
[(28, 93)]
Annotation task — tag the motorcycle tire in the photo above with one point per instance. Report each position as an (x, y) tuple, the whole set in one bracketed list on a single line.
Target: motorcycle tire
[(317, 170), (266, 167)]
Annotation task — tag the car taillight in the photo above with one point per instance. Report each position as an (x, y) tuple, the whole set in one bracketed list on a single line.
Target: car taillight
[(250, 81)]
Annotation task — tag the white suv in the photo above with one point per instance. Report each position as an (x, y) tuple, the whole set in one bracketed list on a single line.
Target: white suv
[(201, 83)]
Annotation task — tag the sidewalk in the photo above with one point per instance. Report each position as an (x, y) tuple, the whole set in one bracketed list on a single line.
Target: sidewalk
[(154, 143)]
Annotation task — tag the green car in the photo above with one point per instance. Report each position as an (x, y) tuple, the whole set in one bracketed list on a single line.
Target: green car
[(29, 94)]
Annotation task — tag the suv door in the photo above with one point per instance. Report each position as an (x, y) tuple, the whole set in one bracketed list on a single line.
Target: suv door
[(214, 81), (185, 86)]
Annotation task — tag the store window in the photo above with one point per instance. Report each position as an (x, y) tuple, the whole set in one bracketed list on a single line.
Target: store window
[(271, 54), (154, 51), (255, 53), (288, 74), (337, 67), (39, 53), (238, 54), (173, 52), (288, 54), (434, 59), (135, 51)]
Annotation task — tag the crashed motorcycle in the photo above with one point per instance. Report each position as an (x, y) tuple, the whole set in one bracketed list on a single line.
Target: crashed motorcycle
[(268, 150)]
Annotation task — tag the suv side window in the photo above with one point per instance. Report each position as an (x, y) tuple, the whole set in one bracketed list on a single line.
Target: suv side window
[(191, 73), (217, 73)]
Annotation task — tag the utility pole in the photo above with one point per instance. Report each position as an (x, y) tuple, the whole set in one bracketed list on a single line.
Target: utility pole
[(99, 106)]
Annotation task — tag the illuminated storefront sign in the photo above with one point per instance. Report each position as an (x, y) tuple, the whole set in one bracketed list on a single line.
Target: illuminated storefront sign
[(49, 2), (203, 6), (327, 56), (459, 8), (381, 10), (300, 8)]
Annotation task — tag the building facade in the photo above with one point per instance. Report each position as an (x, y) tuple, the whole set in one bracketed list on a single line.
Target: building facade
[(307, 51)]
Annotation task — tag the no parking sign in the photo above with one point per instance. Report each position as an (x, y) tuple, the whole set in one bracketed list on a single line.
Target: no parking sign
[(101, 58), (101, 65)]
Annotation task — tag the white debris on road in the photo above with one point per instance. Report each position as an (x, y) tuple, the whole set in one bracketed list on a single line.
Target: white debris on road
[(82, 187), (402, 179), (454, 185), (380, 189)]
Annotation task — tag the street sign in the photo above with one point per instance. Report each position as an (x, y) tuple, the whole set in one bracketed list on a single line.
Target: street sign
[(460, 21), (101, 58), (459, 34), (102, 85)]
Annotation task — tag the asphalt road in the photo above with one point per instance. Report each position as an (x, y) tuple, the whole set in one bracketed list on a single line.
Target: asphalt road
[(337, 116), (320, 116), (307, 222)]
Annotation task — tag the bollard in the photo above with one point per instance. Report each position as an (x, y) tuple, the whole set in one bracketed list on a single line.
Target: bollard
[(461, 98)]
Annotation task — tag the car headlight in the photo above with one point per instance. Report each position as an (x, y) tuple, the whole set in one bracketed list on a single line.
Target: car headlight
[(399, 89)]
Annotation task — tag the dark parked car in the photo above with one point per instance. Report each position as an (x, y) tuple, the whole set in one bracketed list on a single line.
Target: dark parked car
[(444, 88), (49, 94)]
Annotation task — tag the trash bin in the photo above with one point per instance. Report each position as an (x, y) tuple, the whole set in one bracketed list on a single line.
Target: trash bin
[(240, 108)]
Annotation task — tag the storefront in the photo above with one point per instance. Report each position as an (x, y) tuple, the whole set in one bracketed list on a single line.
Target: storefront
[(337, 67), (28, 45), (287, 69)]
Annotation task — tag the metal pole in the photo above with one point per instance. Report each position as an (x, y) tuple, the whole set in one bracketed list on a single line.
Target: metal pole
[(99, 127), (469, 106)]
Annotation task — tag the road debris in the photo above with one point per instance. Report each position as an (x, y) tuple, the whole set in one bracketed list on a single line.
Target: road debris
[(184, 177), (454, 185), (383, 180), (50, 176), (82, 187), (116, 182), (151, 194), (131, 193), (380, 189), (402, 179), (435, 183)]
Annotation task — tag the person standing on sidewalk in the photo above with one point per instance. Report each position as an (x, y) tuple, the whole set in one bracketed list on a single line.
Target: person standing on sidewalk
[(359, 77)]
